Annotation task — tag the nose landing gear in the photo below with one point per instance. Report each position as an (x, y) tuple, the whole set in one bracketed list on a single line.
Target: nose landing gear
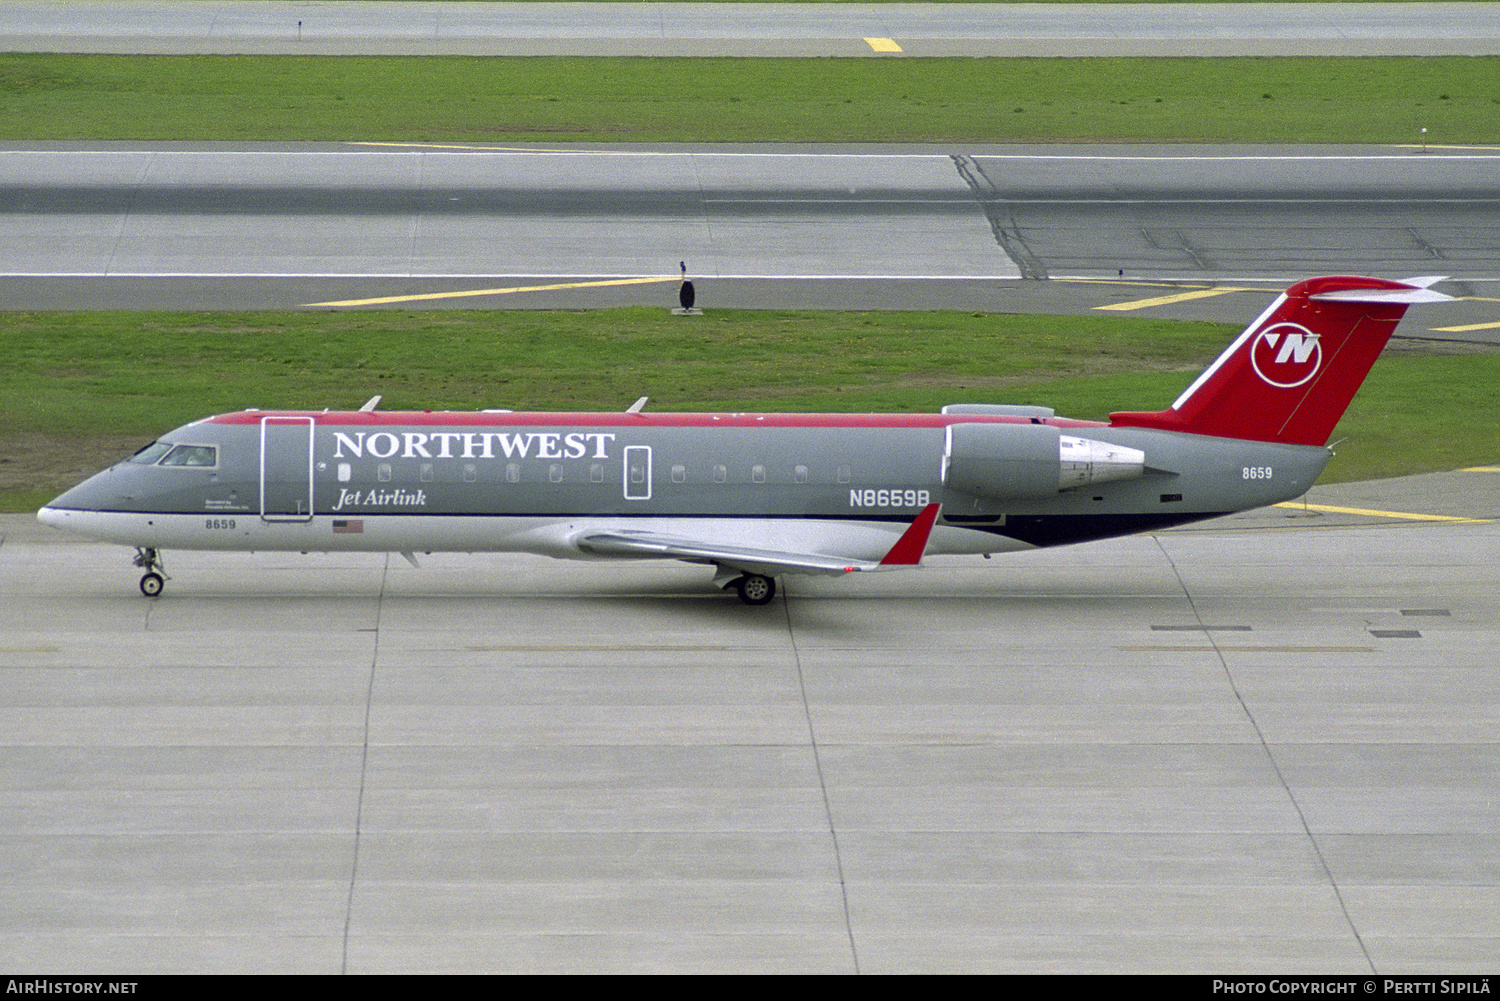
[(155, 577)]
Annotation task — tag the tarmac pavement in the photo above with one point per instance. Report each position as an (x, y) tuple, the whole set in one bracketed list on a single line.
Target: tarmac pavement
[(1266, 744)]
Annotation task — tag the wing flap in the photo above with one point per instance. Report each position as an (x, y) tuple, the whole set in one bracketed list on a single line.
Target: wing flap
[(650, 544), (630, 543)]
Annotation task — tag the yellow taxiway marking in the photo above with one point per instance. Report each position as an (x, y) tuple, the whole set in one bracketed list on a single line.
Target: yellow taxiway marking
[(1167, 300), (1403, 515), (1468, 326), (1481, 469), (492, 291), (883, 44)]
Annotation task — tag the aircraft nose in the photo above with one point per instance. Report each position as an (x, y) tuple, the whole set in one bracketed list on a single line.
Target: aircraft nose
[(100, 492)]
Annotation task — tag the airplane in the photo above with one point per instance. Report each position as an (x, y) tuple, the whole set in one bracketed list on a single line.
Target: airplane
[(757, 496)]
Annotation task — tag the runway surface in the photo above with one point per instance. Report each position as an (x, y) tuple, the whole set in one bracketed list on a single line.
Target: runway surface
[(249, 226), (688, 29), (1267, 745)]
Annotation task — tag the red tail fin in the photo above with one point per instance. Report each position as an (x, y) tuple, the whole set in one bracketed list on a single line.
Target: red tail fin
[(1291, 374)]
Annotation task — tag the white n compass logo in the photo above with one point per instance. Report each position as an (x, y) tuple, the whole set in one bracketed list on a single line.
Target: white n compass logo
[(1286, 355)]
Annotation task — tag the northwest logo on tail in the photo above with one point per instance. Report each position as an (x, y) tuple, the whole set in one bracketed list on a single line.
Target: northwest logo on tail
[(1286, 355), (1307, 355)]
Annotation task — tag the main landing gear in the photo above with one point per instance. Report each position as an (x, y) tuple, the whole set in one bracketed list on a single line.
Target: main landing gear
[(755, 589), (155, 577)]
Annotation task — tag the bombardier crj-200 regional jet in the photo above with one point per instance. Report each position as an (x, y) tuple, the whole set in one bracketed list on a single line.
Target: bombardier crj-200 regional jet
[(757, 495)]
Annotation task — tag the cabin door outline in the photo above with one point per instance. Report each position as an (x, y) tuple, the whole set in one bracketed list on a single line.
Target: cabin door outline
[(286, 469)]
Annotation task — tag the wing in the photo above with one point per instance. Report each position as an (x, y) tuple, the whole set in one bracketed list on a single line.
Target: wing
[(628, 543)]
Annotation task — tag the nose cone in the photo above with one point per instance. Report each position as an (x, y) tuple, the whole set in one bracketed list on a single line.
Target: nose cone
[(73, 510), (97, 493), (53, 517)]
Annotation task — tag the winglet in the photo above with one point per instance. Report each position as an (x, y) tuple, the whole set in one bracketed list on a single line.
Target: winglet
[(908, 550)]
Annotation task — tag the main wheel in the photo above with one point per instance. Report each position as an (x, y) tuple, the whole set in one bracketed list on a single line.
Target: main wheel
[(756, 589), (151, 584)]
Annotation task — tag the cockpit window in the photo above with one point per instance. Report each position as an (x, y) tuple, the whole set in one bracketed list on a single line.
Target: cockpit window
[(192, 455), (152, 452)]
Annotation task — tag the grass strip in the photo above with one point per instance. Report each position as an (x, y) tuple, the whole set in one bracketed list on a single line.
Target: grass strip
[(79, 390), (542, 99)]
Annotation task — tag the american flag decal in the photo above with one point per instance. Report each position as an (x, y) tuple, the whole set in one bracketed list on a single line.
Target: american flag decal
[(343, 526)]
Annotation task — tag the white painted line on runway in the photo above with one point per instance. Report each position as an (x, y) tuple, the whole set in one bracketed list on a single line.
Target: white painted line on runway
[(439, 149), (387, 276)]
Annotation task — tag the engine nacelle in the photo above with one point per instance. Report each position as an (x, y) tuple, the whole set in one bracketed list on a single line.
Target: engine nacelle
[(1004, 461)]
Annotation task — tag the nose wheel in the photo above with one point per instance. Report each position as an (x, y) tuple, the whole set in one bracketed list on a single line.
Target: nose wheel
[(155, 577)]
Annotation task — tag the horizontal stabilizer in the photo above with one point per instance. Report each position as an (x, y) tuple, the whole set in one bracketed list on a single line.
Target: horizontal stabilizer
[(1409, 297)]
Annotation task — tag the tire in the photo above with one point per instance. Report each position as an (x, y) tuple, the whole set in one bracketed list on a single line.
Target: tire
[(756, 589), (151, 584)]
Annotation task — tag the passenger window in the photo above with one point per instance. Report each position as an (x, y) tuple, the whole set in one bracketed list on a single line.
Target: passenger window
[(757, 474), (471, 472), (383, 472), (192, 455), (720, 474), (555, 472), (512, 472), (800, 474), (679, 474), (425, 475), (596, 473), (843, 474)]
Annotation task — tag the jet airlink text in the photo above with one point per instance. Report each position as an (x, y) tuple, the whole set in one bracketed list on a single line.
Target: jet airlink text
[(474, 445), (381, 498)]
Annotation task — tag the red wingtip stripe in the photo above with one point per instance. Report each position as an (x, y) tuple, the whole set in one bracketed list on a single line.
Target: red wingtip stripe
[(909, 548)]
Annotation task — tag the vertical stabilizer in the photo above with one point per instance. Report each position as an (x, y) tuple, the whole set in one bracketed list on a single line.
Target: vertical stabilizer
[(1291, 374)]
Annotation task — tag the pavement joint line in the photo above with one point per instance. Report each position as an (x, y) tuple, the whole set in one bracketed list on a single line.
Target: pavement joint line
[(1370, 512)]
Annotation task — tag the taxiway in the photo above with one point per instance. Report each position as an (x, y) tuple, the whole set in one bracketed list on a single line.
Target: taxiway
[(1264, 745), (255, 226)]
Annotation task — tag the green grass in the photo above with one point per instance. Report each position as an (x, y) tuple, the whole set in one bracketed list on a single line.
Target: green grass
[(74, 377), (554, 99)]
